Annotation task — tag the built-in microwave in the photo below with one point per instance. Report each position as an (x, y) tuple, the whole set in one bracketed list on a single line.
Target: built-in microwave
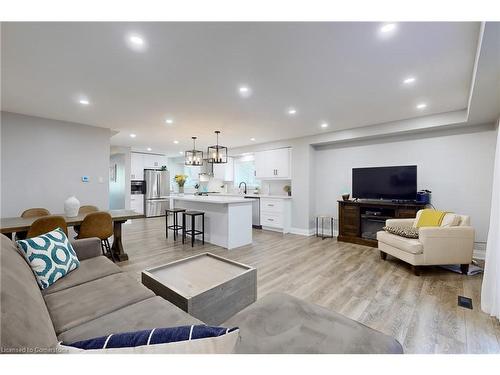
[(137, 187)]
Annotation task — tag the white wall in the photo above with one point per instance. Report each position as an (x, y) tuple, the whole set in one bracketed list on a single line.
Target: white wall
[(457, 168), (43, 161)]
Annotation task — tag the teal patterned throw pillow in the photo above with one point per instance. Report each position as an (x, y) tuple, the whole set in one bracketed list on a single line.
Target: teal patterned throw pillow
[(50, 256)]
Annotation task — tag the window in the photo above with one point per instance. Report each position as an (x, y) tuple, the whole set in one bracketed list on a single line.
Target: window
[(244, 170)]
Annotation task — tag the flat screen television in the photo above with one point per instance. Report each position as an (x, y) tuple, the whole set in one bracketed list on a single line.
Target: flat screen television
[(390, 183)]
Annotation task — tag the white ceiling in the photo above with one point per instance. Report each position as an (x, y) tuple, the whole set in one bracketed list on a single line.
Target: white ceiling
[(346, 74)]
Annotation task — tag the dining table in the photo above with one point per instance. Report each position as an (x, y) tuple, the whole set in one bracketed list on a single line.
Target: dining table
[(10, 225)]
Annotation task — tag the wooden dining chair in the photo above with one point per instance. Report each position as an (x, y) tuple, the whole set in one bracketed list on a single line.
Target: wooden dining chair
[(31, 212), (87, 209), (98, 224), (84, 210), (46, 224)]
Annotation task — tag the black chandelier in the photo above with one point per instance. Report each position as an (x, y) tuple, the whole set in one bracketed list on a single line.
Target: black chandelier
[(217, 154), (194, 157)]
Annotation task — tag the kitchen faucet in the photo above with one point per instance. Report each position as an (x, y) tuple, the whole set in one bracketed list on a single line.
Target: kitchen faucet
[(239, 186)]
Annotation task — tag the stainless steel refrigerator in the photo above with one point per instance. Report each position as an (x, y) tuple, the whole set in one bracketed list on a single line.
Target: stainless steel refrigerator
[(156, 199)]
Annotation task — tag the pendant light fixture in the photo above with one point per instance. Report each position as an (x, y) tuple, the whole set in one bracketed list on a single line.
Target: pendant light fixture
[(217, 154), (194, 157)]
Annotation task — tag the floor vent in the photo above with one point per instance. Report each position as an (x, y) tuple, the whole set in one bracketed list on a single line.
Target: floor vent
[(465, 302)]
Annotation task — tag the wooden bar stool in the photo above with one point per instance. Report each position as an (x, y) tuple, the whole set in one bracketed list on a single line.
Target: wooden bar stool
[(192, 231), (175, 227)]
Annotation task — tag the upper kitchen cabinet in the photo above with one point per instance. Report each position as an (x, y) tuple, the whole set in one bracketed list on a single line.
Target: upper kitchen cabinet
[(140, 161), (273, 164), (153, 161), (224, 171), (136, 166)]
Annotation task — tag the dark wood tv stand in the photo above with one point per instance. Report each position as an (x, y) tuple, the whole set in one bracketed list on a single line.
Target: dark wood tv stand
[(359, 220)]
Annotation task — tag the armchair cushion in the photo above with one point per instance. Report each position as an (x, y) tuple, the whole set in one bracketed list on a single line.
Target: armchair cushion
[(409, 245)]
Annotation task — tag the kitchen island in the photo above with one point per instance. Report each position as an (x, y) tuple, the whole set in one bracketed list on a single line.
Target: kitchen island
[(228, 220)]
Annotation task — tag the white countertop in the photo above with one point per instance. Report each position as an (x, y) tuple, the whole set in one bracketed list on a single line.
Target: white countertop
[(211, 199), (250, 195)]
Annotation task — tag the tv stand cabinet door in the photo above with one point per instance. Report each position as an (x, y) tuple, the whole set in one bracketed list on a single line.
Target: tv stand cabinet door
[(406, 213), (349, 220)]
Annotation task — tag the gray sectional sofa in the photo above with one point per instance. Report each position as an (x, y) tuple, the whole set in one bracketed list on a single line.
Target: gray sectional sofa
[(98, 299)]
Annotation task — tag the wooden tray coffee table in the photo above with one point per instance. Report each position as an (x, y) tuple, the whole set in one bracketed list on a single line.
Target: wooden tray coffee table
[(208, 287)]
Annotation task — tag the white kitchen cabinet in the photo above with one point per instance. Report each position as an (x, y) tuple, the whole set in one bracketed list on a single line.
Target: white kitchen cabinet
[(273, 164), (136, 166), (224, 172), (137, 203), (276, 214), (140, 161)]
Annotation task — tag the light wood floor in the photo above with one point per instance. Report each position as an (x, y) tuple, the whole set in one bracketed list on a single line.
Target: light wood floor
[(420, 312)]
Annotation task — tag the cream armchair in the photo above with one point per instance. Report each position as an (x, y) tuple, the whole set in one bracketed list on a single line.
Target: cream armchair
[(435, 245)]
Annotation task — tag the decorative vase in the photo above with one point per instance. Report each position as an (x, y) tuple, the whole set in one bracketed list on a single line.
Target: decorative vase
[(345, 197), (181, 189), (71, 206)]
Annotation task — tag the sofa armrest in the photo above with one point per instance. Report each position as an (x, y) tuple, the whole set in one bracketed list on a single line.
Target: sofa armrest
[(87, 248), (448, 245), (399, 222)]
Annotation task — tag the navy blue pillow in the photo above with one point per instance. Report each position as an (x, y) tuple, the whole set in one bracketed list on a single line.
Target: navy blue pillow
[(151, 337)]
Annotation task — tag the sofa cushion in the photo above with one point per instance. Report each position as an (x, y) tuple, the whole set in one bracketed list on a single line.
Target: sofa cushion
[(409, 245), (279, 323), (50, 256), (89, 270), (150, 313), (71, 307), (25, 323)]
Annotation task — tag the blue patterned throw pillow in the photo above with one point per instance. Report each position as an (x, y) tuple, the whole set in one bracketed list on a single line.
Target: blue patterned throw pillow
[(194, 339), (152, 337), (50, 256)]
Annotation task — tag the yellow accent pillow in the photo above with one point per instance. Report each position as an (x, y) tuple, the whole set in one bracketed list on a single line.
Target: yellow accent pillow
[(430, 218)]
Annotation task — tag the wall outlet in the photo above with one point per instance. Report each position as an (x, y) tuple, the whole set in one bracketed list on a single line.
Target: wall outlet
[(85, 178)]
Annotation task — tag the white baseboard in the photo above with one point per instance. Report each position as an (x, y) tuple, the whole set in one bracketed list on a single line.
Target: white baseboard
[(302, 232), (479, 251)]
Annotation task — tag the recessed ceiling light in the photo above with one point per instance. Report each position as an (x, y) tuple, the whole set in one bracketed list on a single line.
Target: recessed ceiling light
[(409, 80), (244, 91), (169, 121), (180, 152), (324, 125), (421, 106), (388, 27), (84, 102), (176, 142), (252, 139), (149, 148), (291, 111), (136, 42), (132, 135)]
